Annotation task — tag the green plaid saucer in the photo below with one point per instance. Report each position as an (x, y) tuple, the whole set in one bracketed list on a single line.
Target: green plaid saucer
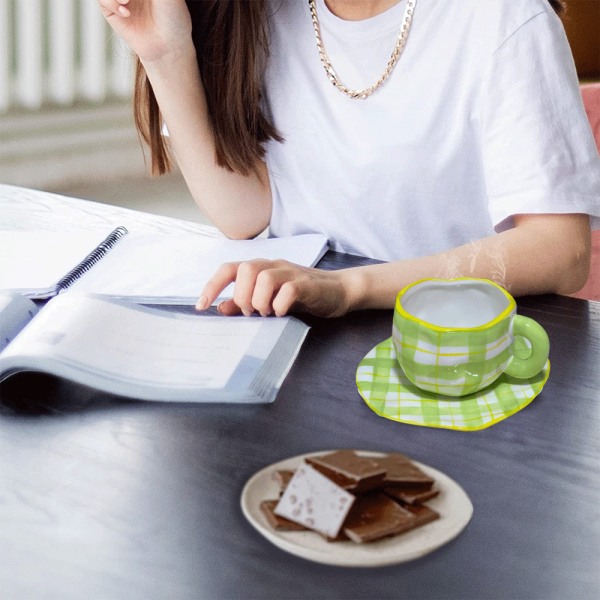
[(388, 392)]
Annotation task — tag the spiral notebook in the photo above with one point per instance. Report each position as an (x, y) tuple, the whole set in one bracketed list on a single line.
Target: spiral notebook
[(149, 268)]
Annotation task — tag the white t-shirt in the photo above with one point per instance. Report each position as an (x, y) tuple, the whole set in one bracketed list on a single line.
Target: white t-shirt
[(480, 120)]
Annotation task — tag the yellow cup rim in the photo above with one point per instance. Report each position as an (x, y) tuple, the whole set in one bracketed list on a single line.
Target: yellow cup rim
[(512, 305)]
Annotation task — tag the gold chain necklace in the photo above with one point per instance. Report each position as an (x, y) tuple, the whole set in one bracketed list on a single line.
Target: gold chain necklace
[(396, 52)]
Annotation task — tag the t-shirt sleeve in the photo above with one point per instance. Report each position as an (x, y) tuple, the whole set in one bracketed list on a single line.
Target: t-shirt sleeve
[(538, 151)]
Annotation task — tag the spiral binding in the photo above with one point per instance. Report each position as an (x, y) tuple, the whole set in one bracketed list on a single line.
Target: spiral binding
[(92, 258)]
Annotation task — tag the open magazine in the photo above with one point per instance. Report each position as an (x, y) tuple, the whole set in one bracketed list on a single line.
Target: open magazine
[(148, 353)]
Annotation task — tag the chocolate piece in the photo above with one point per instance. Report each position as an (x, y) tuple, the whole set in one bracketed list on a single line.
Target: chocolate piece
[(411, 496), (423, 514), (340, 537), (277, 522), (401, 472), (313, 500), (376, 516), (349, 470), (283, 478)]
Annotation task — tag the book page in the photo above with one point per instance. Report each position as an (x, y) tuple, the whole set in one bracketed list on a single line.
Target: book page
[(174, 268), (105, 344), (15, 313), (32, 262)]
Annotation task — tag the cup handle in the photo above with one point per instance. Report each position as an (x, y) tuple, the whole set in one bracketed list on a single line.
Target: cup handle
[(534, 333)]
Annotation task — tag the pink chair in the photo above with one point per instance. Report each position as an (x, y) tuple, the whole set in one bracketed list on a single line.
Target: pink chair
[(591, 100)]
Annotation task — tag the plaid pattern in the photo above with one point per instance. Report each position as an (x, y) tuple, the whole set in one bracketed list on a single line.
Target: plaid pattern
[(388, 392), (438, 361)]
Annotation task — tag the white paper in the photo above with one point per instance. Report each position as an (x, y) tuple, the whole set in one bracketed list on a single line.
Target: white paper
[(147, 267), (154, 354), (138, 345), (313, 500), (15, 312), (151, 267), (37, 260)]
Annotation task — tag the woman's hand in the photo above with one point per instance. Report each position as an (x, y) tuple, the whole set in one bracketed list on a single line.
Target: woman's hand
[(277, 288), (153, 29)]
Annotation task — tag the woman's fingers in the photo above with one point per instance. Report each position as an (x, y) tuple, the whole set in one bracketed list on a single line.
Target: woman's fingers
[(114, 7), (229, 308), (122, 9), (223, 276), (247, 285), (153, 29), (286, 299), (277, 287), (257, 283), (283, 302), (268, 284)]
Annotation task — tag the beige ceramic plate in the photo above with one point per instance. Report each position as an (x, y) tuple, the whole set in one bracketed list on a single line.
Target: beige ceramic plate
[(453, 504)]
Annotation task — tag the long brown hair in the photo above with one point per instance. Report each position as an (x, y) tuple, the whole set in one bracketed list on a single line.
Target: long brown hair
[(558, 5), (231, 40)]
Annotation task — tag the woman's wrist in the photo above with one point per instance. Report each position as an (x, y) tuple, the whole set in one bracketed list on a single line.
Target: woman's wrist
[(355, 286), (373, 286), (171, 61)]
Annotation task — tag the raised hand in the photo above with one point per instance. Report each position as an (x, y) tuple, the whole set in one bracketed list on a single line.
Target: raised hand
[(153, 29)]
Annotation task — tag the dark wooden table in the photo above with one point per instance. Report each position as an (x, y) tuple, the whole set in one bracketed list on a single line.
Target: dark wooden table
[(106, 498)]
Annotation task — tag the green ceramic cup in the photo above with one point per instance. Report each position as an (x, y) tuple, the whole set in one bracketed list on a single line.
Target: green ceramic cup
[(454, 337)]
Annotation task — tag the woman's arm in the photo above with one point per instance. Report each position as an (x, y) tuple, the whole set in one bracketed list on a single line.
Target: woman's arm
[(239, 205), (160, 33), (541, 254)]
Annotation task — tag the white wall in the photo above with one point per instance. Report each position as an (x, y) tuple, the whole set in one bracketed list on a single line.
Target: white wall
[(58, 52), (65, 95)]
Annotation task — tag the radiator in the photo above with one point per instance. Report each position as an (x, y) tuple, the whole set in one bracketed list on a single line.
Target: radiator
[(59, 52)]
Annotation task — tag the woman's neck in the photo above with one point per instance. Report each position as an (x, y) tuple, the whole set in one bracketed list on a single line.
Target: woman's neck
[(357, 10)]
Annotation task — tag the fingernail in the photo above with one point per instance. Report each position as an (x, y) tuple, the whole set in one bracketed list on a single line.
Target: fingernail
[(202, 303), (124, 12), (247, 313)]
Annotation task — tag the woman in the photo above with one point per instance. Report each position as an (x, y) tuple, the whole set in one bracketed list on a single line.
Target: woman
[(465, 151)]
